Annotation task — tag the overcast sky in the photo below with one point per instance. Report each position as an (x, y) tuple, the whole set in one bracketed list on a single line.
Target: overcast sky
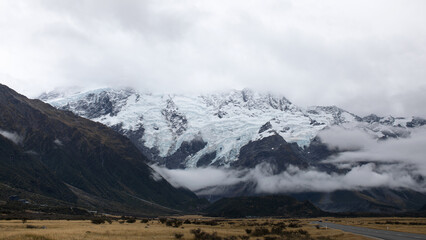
[(364, 56)]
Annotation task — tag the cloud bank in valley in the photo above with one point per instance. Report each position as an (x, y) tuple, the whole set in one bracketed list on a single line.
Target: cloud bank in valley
[(361, 55), (369, 163), (409, 151)]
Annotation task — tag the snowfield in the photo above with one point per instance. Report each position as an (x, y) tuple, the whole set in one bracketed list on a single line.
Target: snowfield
[(225, 121)]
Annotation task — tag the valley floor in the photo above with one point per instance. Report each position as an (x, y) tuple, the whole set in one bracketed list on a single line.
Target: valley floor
[(225, 228), (154, 229)]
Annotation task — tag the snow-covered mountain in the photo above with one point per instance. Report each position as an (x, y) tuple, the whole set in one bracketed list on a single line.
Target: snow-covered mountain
[(197, 130)]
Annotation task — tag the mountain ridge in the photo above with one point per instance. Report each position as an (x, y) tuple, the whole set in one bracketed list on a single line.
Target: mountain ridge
[(245, 131), (97, 167), (225, 122)]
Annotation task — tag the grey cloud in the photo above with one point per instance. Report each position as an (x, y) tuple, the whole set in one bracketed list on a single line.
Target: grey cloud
[(346, 139), (199, 178), (143, 17), (404, 151), (359, 177), (212, 180), (360, 55)]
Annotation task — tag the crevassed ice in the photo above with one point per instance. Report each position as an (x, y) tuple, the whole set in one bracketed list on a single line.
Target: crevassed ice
[(226, 121)]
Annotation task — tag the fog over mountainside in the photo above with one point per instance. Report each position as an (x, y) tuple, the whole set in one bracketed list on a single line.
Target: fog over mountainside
[(246, 142)]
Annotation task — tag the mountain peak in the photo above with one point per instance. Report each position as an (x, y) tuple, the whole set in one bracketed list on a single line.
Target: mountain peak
[(219, 124)]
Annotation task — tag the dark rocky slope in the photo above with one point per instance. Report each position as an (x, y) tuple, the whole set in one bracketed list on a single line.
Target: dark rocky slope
[(272, 150), (73, 159), (262, 206)]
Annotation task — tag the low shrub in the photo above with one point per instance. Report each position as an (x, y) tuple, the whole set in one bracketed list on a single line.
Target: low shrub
[(174, 223), (294, 225), (98, 221), (131, 220), (299, 234), (230, 238), (178, 235), (211, 223), (201, 235), (277, 230), (280, 224), (260, 231), (270, 238)]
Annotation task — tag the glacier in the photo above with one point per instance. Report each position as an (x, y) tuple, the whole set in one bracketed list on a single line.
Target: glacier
[(225, 121)]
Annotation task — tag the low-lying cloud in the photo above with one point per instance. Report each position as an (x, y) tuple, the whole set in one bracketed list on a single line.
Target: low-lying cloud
[(366, 163), (409, 151), (197, 179), (359, 177), (212, 180), (12, 136)]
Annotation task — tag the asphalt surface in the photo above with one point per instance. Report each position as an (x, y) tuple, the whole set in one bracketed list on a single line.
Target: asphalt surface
[(374, 233)]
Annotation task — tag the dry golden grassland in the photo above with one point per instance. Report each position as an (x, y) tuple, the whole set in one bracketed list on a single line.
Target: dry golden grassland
[(405, 224), (62, 229)]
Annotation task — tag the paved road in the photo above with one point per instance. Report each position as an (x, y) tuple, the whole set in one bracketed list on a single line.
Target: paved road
[(374, 233)]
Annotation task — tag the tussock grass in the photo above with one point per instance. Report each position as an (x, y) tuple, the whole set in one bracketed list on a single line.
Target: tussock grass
[(154, 229)]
